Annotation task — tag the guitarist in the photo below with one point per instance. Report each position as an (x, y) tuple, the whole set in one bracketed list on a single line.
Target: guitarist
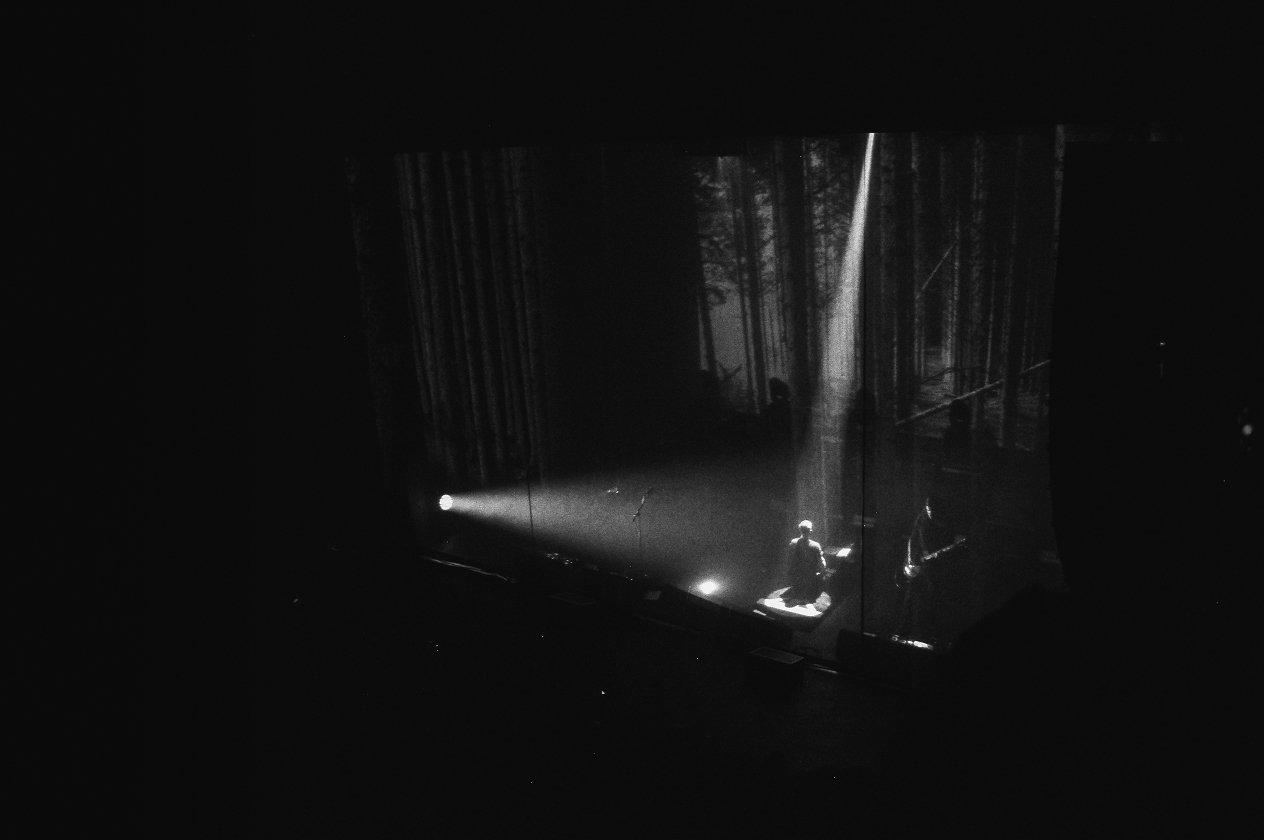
[(929, 546)]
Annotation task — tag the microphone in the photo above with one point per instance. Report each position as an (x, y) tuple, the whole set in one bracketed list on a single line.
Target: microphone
[(636, 516)]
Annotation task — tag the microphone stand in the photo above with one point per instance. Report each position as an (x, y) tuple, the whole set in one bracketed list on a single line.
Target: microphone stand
[(531, 511), (640, 539), (525, 473)]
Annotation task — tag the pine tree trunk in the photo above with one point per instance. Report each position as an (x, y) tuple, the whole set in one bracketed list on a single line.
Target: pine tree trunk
[(906, 339), (1003, 217), (811, 284), (928, 245), (976, 331), (1054, 249), (704, 304), (888, 351), (708, 333), (823, 228), (1048, 201), (753, 282), (834, 235), (846, 181), (775, 316), (774, 312), (788, 172), (950, 203), (1017, 280), (739, 253), (921, 263), (746, 341)]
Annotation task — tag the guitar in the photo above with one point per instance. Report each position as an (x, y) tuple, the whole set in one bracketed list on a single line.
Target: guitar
[(910, 570)]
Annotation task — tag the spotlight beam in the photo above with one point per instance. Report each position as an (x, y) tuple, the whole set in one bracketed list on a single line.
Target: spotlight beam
[(838, 369)]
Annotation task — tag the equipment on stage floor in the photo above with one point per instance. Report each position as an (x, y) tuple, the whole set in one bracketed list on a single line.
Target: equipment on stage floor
[(798, 612)]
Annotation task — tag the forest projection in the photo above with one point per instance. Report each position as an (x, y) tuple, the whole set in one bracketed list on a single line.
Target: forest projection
[(960, 268)]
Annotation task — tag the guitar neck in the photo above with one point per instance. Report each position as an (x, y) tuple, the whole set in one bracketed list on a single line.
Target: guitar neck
[(943, 550)]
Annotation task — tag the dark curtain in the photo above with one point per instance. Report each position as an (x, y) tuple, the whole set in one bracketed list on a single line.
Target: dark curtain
[(528, 310), (451, 269)]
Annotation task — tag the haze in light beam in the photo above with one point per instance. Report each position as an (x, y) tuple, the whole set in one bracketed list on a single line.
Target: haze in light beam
[(713, 518), (837, 380)]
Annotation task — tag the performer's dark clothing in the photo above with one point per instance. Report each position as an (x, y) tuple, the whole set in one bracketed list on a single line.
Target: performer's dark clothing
[(807, 569), (922, 613)]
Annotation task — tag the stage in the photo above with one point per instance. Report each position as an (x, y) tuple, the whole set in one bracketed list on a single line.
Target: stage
[(717, 527)]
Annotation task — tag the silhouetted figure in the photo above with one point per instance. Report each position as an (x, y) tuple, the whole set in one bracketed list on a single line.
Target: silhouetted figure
[(862, 417), (807, 568), (957, 437), (929, 554), (777, 415), (983, 445), (708, 408), (968, 443), (859, 433), (712, 401)]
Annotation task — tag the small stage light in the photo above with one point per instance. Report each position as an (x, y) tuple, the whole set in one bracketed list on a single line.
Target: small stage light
[(445, 502), (708, 586)]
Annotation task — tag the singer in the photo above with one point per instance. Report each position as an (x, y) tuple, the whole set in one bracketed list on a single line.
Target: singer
[(807, 568)]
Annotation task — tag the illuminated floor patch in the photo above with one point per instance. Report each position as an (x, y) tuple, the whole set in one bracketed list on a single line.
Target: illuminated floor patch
[(775, 605)]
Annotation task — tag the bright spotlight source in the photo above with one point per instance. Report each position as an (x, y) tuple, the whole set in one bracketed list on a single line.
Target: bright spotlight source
[(708, 586), (445, 502)]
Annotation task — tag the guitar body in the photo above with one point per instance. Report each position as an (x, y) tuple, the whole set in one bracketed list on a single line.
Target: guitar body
[(908, 571)]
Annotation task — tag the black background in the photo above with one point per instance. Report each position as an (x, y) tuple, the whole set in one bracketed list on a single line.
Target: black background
[(205, 156)]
